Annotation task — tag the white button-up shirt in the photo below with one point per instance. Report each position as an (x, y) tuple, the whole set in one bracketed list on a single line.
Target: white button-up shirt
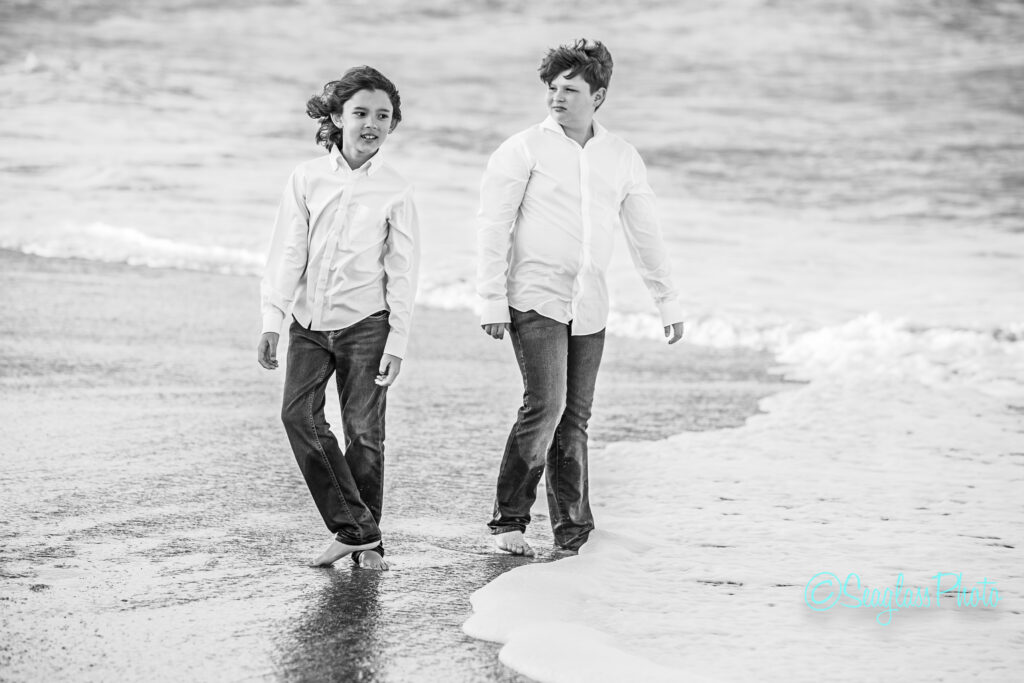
[(548, 211), (345, 245)]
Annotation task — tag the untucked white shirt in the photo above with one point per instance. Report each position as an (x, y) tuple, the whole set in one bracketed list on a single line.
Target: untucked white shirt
[(345, 245), (548, 211)]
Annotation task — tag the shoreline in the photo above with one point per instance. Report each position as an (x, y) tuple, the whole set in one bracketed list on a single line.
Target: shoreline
[(153, 506)]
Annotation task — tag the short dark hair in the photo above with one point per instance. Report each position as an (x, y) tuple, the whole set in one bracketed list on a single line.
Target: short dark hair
[(587, 58), (337, 93)]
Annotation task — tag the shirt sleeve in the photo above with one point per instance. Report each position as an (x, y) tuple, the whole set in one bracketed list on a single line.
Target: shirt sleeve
[(289, 249), (501, 194), (646, 246), (401, 271)]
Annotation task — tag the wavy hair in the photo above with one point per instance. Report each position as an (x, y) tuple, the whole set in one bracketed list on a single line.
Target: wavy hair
[(336, 93), (586, 58)]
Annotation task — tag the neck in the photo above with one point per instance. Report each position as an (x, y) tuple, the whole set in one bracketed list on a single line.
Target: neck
[(580, 134), (355, 162)]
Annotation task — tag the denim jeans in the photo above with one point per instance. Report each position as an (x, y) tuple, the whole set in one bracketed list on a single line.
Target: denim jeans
[(559, 374), (347, 486)]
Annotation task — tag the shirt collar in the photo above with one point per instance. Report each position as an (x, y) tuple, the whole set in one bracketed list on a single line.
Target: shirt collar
[(373, 165), (550, 124)]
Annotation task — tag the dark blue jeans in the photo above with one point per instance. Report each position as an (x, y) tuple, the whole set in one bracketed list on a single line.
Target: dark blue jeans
[(347, 486), (559, 375)]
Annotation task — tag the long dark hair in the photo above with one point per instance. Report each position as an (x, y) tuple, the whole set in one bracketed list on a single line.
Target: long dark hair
[(337, 93)]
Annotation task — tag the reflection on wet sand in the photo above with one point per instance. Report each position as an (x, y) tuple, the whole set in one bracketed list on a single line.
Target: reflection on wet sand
[(337, 636), (169, 539)]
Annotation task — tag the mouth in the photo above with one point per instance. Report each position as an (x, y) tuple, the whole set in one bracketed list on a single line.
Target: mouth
[(560, 110), (368, 137)]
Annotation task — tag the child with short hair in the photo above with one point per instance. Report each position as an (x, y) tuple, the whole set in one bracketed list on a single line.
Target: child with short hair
[(550, 200), (343, 261)]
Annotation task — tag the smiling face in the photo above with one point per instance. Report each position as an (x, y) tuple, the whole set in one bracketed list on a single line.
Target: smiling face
[(570, 102), (365, 121)]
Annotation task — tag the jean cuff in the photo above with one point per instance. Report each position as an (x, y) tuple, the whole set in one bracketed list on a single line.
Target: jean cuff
[(359, 553), (356, 541), (576, 542)]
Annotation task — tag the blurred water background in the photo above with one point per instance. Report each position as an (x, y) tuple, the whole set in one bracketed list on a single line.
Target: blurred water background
[(811, 156)]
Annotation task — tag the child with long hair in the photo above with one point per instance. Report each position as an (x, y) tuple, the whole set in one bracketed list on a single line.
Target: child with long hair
[(343, 262)]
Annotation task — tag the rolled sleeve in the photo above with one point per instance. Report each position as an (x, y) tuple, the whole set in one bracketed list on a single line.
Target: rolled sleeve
[(401, 270)]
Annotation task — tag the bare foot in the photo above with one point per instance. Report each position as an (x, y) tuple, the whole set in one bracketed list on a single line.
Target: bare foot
[(337, 550), (514, 543), (369, 559)]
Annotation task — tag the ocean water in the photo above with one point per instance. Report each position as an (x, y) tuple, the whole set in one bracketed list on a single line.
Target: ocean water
[(840, 183)]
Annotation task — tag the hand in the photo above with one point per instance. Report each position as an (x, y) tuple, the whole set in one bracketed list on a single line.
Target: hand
[(390, 366), (266, 352), (675, 331), (496, 330)]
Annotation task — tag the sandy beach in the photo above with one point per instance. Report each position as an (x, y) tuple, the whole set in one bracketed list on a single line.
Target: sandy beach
[(840, 191), (155, 526)]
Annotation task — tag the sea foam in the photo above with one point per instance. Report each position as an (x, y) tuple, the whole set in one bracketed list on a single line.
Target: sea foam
[(896, 456), (114, 244), (890, 460)]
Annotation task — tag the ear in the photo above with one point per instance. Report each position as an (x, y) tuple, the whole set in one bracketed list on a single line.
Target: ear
[(599, 96), (336, 118)]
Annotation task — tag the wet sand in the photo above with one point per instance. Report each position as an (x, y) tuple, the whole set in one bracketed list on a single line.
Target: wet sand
[(155, 527)]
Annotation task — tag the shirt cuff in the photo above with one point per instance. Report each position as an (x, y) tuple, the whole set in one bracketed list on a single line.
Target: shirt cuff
[(396, 345), (494, 312), (671, 312), (272, 320)]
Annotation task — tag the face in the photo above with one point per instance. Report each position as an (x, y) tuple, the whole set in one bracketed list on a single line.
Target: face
[(365, 123), (570, 101)]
